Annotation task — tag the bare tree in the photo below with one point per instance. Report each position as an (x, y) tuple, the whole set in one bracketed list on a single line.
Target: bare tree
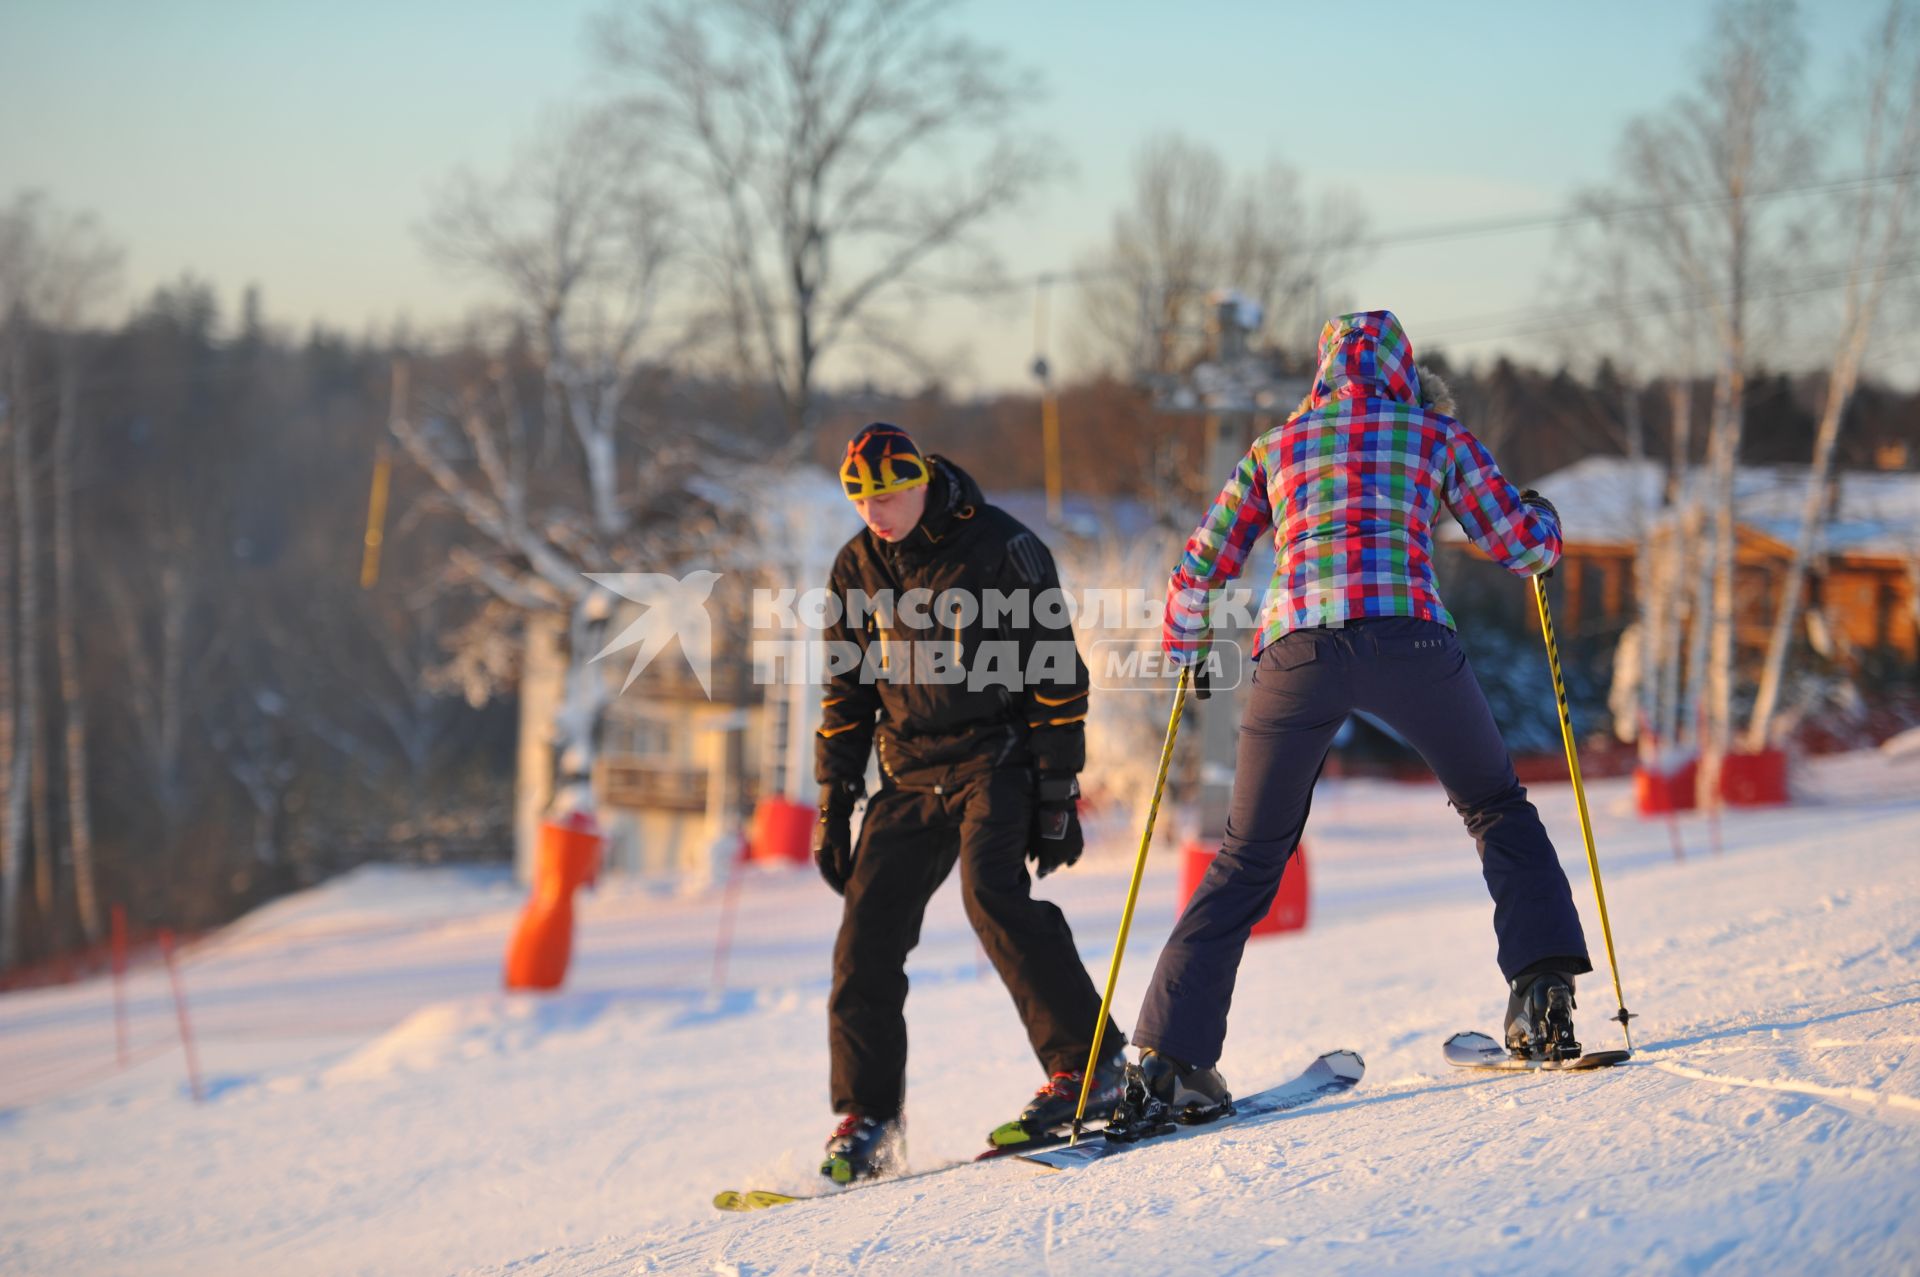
[(1145, 294), (12, 852), (1700, 169), (82, 270), (30, 762), (575, 244), (805, 131), (577, 240), (18, 690), (1190, 229), (54, 267), (1610, 271), (1875, 212), (1674, 575)]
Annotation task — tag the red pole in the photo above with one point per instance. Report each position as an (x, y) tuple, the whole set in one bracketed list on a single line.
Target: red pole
[(180, 1008), (120, 985), (729, 902)]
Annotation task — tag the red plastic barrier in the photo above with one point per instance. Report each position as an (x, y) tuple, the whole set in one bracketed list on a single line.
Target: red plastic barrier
[(566, 858), (1658, 793), (1755, 780), (1289, 911), (782, 832)]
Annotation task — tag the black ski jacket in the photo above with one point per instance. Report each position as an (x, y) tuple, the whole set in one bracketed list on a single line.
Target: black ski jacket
[(931, 734)]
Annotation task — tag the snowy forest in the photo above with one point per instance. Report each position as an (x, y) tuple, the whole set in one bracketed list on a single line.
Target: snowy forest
[(263, 579)]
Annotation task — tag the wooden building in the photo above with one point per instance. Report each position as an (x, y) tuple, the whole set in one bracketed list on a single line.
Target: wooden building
[(1864, 578)]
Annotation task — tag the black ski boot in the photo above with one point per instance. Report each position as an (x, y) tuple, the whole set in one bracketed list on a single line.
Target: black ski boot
[(1161, 1091), (1050, 1111), (1540, 1017), (864, 1147)]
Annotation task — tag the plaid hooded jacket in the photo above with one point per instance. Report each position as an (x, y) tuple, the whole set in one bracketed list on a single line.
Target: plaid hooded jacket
[(1351, 484)]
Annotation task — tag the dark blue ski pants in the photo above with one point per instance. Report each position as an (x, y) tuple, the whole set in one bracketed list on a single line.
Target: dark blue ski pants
[(1412, 675)]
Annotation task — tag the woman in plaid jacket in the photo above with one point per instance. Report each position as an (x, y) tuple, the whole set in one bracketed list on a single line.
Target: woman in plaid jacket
[(1350, 486)]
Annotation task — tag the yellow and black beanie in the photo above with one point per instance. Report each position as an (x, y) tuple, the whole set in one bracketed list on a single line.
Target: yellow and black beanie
[(881, 459)]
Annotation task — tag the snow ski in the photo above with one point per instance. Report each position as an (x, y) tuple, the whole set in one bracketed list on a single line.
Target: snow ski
[(1478, 1051), (1331, 1074)]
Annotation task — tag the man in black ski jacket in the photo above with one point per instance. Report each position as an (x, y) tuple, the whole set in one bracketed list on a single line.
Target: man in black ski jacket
[(953, 659)]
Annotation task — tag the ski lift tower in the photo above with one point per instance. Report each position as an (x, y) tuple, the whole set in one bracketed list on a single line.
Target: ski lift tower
[(1241, 392)]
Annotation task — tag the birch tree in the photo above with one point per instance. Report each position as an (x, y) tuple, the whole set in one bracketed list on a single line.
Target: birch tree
[(1875, 213), (838, 151), (81, 271), (12, 852), (1650, 335), (54, 269), (529, 442), (1700, 172), (1674, 580), (29, 796), (17, 690)]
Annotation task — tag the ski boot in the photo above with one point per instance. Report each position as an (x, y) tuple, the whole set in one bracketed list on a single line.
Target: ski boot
[(1161, 1091), (1050, 1112), (864, 1148), (1540, 1017)]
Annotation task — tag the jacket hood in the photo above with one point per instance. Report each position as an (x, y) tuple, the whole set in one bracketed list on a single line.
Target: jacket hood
[(1365, 355)]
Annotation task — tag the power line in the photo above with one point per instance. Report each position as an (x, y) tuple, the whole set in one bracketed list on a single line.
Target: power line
[(1545, 319), (1569, 217), (1476, 227)]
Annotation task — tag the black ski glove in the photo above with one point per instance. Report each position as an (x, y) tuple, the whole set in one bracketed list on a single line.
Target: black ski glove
[(1057, 840), (1538, 502), (833, 835)]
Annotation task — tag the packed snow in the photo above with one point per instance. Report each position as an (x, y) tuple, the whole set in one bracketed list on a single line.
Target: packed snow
[(374, 1103)]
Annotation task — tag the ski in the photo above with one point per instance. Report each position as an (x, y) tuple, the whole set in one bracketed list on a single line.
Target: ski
[(1478, 1051), (747, 1199), (750, 1199), (1034, 1143), (734, 1199), (1331, 1074)]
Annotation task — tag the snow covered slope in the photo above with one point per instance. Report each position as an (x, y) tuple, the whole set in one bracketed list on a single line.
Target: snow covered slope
[(377, 1107)]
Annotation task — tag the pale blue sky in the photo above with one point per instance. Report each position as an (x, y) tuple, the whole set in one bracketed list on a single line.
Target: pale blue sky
[(295, 145)]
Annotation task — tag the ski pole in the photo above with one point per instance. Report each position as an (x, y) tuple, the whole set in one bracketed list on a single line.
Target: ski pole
[(1580, 799), (1133, 894)]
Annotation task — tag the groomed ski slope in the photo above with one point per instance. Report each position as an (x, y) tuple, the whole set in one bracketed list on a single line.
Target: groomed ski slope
[(376, 1107)]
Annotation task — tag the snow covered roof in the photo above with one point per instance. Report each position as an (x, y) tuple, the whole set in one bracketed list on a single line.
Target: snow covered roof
[(1612, 500)]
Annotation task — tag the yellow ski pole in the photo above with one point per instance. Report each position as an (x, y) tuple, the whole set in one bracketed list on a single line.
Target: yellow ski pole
[(1133, 894), (1580, 799)]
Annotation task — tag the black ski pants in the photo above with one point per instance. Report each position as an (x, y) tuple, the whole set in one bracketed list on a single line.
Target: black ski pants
[(909, 843), (1411, 674)]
